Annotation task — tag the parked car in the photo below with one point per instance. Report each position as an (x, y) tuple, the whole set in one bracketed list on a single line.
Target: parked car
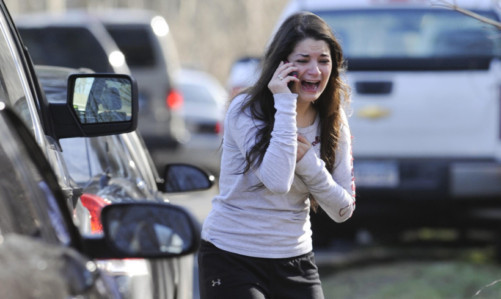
[(151, 53), (50, 258), (425, 114), (118, 168), (205, 102), (74, 39), (45, 215)]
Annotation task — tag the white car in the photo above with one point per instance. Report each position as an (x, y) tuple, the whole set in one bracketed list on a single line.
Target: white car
[(425, 112)]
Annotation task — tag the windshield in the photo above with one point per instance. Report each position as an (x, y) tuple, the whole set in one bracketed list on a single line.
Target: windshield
[(413, 34), (135, 43)]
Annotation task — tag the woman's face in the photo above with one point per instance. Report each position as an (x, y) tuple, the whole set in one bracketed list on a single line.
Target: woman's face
[(313, 59)]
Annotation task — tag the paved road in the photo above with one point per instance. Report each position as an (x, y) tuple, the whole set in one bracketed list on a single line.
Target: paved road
[(199, 203)]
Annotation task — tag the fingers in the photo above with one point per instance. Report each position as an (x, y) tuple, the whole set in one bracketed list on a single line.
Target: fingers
[(281, 78), (303, 146), (301, 139)]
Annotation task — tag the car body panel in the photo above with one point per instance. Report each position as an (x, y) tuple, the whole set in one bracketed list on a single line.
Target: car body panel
[(34, 213)]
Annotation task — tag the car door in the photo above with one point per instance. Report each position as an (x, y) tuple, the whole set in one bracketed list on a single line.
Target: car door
[(37, 234)]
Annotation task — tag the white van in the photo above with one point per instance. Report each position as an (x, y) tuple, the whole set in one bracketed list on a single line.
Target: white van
[(426, 114)]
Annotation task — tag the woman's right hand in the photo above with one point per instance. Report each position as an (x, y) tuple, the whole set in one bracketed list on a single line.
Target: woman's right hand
[(281, 78), (303, 145)]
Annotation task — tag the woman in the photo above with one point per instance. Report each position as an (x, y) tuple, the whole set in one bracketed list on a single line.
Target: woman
[(286, 148)]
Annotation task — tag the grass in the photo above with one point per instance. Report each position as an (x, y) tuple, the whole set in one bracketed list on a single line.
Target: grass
[(461, 276)]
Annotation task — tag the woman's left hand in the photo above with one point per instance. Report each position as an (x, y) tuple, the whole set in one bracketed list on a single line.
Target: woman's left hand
[(303, 145)]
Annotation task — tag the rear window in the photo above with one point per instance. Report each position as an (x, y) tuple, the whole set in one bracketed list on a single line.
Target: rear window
[(70, 47), (135, 43), (414, 38)]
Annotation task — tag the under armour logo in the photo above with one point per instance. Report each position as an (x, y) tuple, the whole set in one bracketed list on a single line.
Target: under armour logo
[(216, 282)]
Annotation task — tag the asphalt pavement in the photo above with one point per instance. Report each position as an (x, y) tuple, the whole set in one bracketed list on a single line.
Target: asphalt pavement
[(199, 203)]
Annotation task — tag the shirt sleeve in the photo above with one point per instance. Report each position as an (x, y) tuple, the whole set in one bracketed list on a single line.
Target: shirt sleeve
[(335, 192), (276, 171)]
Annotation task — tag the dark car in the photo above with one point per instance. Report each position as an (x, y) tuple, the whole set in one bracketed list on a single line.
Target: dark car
[(38, 233)]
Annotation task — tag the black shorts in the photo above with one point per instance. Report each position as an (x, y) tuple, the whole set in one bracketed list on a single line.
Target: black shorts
[(226, 275)]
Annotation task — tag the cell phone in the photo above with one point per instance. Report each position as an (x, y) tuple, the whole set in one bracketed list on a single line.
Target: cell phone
[(291, 83), (294, 73)]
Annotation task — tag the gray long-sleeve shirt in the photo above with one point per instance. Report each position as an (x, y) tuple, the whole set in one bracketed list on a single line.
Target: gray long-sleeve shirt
[(273, 221)]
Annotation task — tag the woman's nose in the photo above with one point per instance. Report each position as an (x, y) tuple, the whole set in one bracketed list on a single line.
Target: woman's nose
[(313, 69)]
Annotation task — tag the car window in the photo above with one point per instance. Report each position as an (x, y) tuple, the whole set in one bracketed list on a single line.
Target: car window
[(144, 163), (135, 43), (412, 33), (100, 154), (66, 46), (12, 90), (89, 159), (27, 204)]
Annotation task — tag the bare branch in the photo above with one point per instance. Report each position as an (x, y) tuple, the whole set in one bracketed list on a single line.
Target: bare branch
[(453, 6)]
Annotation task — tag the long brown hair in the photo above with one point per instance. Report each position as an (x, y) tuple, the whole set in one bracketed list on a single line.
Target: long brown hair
[(296, 28)]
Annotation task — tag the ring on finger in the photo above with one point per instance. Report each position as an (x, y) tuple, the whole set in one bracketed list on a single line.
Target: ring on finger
[(280, 77)]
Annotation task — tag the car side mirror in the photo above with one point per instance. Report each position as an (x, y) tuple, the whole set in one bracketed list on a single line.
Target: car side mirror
[(97, 105), (184, 178), (150, 230)]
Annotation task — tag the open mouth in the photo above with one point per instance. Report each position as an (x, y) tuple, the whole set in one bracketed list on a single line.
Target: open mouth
[(310, 86)]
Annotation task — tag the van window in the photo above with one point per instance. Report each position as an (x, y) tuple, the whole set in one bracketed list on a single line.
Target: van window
[(397, 37), (135, 43), (70, 47)]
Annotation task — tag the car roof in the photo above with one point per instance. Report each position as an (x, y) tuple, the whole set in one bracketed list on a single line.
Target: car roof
[(126, 16), (199, 77), (78, 18), (194, 75), (368, 4)]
